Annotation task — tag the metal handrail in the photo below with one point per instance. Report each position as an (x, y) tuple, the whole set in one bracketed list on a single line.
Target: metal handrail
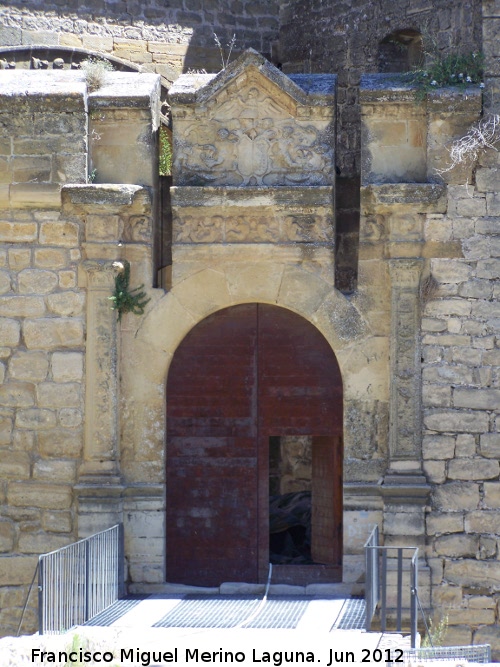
[(376, 558), (79, 581)]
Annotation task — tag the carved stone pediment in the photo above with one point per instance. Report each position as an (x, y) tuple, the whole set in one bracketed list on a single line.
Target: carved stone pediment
[(251, 125)]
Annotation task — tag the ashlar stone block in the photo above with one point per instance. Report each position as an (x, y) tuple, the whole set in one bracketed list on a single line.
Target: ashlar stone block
[(45, 496), (59, 395), (443, 522), (489, 445), (483, 521), (457, 546), (53, 333), (473, 469), (67, 366), (457, 421), (36, 281), (28, 366), (9, 331), (492, 495), (456, 497)]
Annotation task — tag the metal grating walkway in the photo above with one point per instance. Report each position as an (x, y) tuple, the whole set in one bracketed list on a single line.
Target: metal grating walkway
[(115, 611), (235, 611), (224, 612), (352, 615)]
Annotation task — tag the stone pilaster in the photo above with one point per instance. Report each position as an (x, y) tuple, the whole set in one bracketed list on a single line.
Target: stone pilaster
[(405, 489), (99, 490), (404, 429)]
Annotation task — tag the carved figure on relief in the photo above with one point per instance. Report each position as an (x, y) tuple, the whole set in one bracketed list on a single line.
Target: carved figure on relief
[(251, 140)]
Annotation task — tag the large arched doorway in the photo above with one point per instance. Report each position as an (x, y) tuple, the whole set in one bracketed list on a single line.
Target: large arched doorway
[(241, 379)]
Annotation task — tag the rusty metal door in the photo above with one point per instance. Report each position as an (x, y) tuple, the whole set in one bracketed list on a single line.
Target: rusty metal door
[(240, 376)]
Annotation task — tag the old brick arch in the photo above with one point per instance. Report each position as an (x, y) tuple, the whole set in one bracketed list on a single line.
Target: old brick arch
[(240, 376)]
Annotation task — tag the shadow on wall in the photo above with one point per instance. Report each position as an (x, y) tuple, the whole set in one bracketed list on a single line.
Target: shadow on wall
[(401, 51), (112, 27)]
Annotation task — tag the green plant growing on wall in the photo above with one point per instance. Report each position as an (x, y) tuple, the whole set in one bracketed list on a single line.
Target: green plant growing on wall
[(95, 72), (166, 156), (436, 633), (124, 299), (454, 70)]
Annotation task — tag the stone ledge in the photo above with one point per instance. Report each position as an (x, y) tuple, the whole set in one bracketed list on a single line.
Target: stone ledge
[(282, 196), (422, 197), (112, 195), (127, 90), (42, 91)]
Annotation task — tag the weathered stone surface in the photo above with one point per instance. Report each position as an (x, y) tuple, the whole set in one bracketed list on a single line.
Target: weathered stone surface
[(473, 573), (35, 419), (29, 366), (14, 465), (456, 546), (18, 232), (31, 543), (45, 496), (482, 521), (435, 471), (438, 447), (60, 443), (472, 469), (67, 366), (22, 306), (70, 417), (7, 536), (59, 233), (57, 522), (17, 395), (450, 270), (66, 304), (489, 634), (37, 281), (50, 258), (489, 445), (456, 496), (466, 445), (438, 523), (58, 395), (9, 331), (467, 422), (17, 570), (492, 495), (436, 396), (403, 523), (57, 471), (53, 333)]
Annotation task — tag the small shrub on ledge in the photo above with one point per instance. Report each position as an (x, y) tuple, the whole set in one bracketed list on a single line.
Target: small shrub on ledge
[(454, 70)]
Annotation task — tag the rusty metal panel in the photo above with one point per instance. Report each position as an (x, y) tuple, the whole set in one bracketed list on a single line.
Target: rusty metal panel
[(212, 477), (326, 523)]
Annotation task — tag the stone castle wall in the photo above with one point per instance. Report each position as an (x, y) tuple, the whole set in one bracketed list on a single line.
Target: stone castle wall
[(453, 240), (54, 239), (344, 37), (432, 247), (165, 40), (461, 400)]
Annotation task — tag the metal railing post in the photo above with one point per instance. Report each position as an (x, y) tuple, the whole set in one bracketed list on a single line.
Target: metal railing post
[(377, 583), (40, 596), (414, 599)]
